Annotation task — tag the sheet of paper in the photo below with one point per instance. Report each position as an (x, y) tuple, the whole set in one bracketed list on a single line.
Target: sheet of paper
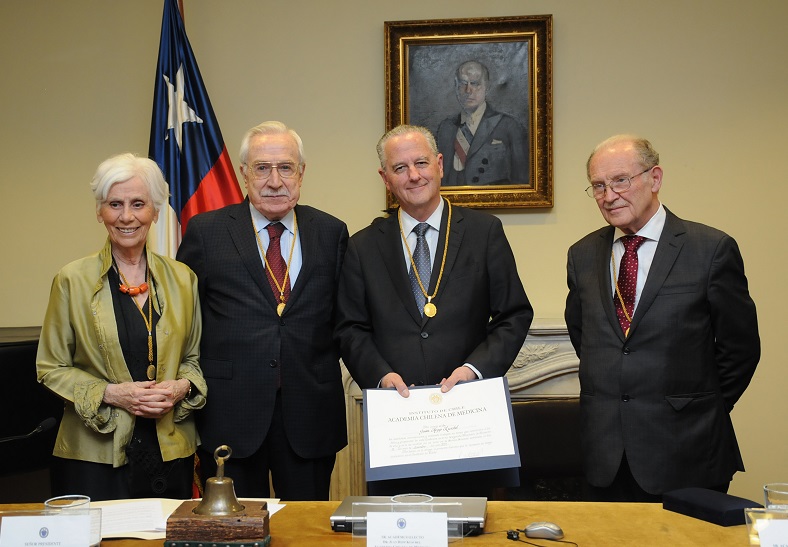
[(469, 428), (147, 518), (416, 529), (132, 516)]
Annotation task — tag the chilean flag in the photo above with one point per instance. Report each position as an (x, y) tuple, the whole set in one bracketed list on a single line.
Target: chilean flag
[(185, 139)]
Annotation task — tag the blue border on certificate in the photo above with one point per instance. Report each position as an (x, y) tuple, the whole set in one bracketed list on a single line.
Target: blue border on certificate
[(442, 467)]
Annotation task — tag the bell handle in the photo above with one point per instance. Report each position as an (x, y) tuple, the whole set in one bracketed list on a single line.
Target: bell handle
[(221, 459)]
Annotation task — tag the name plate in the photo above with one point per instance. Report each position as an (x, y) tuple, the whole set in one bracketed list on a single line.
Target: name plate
[(414, 529), (767, 527), (67, 529)]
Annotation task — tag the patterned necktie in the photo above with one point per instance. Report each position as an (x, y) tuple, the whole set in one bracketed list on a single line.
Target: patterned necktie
[(277, 264), (421, 258), (462, 143), (627, 281)]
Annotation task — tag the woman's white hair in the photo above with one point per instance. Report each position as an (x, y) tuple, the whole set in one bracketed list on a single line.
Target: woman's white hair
[(121, 168)]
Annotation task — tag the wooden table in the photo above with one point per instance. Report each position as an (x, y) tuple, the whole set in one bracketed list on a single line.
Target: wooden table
[(306, 524)]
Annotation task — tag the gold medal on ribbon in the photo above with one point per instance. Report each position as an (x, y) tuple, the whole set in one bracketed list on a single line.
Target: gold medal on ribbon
[(280, 308), (430, 310), (151, 372)]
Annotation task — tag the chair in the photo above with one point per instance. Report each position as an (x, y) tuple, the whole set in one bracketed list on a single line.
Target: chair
[(548, 437), (24, 404)]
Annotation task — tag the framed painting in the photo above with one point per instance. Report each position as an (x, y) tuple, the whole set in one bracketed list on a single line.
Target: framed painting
[(483, 87)]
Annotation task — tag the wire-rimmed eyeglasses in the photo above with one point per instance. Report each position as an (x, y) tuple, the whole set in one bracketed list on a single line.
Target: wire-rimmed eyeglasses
[(618, 185), (262, 170)]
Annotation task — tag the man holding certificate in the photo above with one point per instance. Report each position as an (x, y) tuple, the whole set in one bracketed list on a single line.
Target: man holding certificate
[(429, 295)]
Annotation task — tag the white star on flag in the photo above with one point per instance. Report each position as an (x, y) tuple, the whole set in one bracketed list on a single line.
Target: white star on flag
[(178, 111)]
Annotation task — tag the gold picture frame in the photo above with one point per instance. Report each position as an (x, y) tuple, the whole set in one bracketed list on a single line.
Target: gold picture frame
[(422, 64)]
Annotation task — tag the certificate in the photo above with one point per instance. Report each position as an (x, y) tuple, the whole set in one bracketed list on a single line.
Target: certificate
[(470, 428)]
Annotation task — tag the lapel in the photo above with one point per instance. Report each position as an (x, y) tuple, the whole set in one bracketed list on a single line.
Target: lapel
[(488, 123), (389, 243), (242, 233), (455, 242), (670, 243), (602, 253), (309, 236)]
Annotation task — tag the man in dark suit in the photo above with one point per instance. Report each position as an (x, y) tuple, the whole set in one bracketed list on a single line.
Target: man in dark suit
[(480, 145), (472, 315), (658, 375), (268, 297)]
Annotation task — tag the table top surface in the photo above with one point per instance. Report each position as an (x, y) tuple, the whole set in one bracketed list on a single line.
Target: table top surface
[(586, 524)]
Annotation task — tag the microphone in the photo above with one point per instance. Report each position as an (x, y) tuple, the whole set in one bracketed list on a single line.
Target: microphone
[(46, 425)]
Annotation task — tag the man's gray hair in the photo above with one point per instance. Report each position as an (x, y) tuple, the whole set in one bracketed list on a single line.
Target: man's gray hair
[(648, 156), (404, 130)]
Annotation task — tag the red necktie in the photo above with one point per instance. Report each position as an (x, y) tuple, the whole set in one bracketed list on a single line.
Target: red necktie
[(627, 281), (275, 261)]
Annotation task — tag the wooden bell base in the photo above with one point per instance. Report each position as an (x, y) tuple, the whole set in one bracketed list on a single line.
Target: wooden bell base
[(248, 528), (189, 543)]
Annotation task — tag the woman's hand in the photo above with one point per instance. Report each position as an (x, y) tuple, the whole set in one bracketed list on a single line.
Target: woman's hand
[(147, 399)]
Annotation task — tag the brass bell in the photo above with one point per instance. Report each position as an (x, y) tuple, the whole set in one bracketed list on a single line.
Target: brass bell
[(219, 497)]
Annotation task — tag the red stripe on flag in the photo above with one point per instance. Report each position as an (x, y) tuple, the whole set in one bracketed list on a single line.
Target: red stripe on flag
[(214, 191)]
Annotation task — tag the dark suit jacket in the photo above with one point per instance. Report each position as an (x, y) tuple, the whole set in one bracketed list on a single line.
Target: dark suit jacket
[(483, 312), (499, 152), (245, 344), (663, 395)]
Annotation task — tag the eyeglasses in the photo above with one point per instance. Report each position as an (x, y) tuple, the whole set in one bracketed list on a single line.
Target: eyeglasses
[(619, 185), (262, 170)]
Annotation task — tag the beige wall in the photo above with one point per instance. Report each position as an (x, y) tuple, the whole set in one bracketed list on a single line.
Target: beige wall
[(706, 81)]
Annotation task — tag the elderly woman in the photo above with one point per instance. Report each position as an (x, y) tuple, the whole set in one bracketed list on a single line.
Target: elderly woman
[(120, 344)]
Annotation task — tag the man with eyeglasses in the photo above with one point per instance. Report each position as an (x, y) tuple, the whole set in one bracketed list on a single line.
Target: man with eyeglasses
[(268, 270), (481, 146), (667, 335)]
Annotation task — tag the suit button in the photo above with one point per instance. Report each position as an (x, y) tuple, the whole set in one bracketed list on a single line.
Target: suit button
[(625, 351), (481, 169), (485, 161), (475, 179), (425, 335), (273, 363), (625, 398)]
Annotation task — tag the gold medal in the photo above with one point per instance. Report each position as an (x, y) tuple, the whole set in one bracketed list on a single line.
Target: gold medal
[(430, 310), (151, 372), (280, 308)]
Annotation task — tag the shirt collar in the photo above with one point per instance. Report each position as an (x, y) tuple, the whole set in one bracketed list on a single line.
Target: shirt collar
[(653, 228), (260, 221), (434, 220)]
